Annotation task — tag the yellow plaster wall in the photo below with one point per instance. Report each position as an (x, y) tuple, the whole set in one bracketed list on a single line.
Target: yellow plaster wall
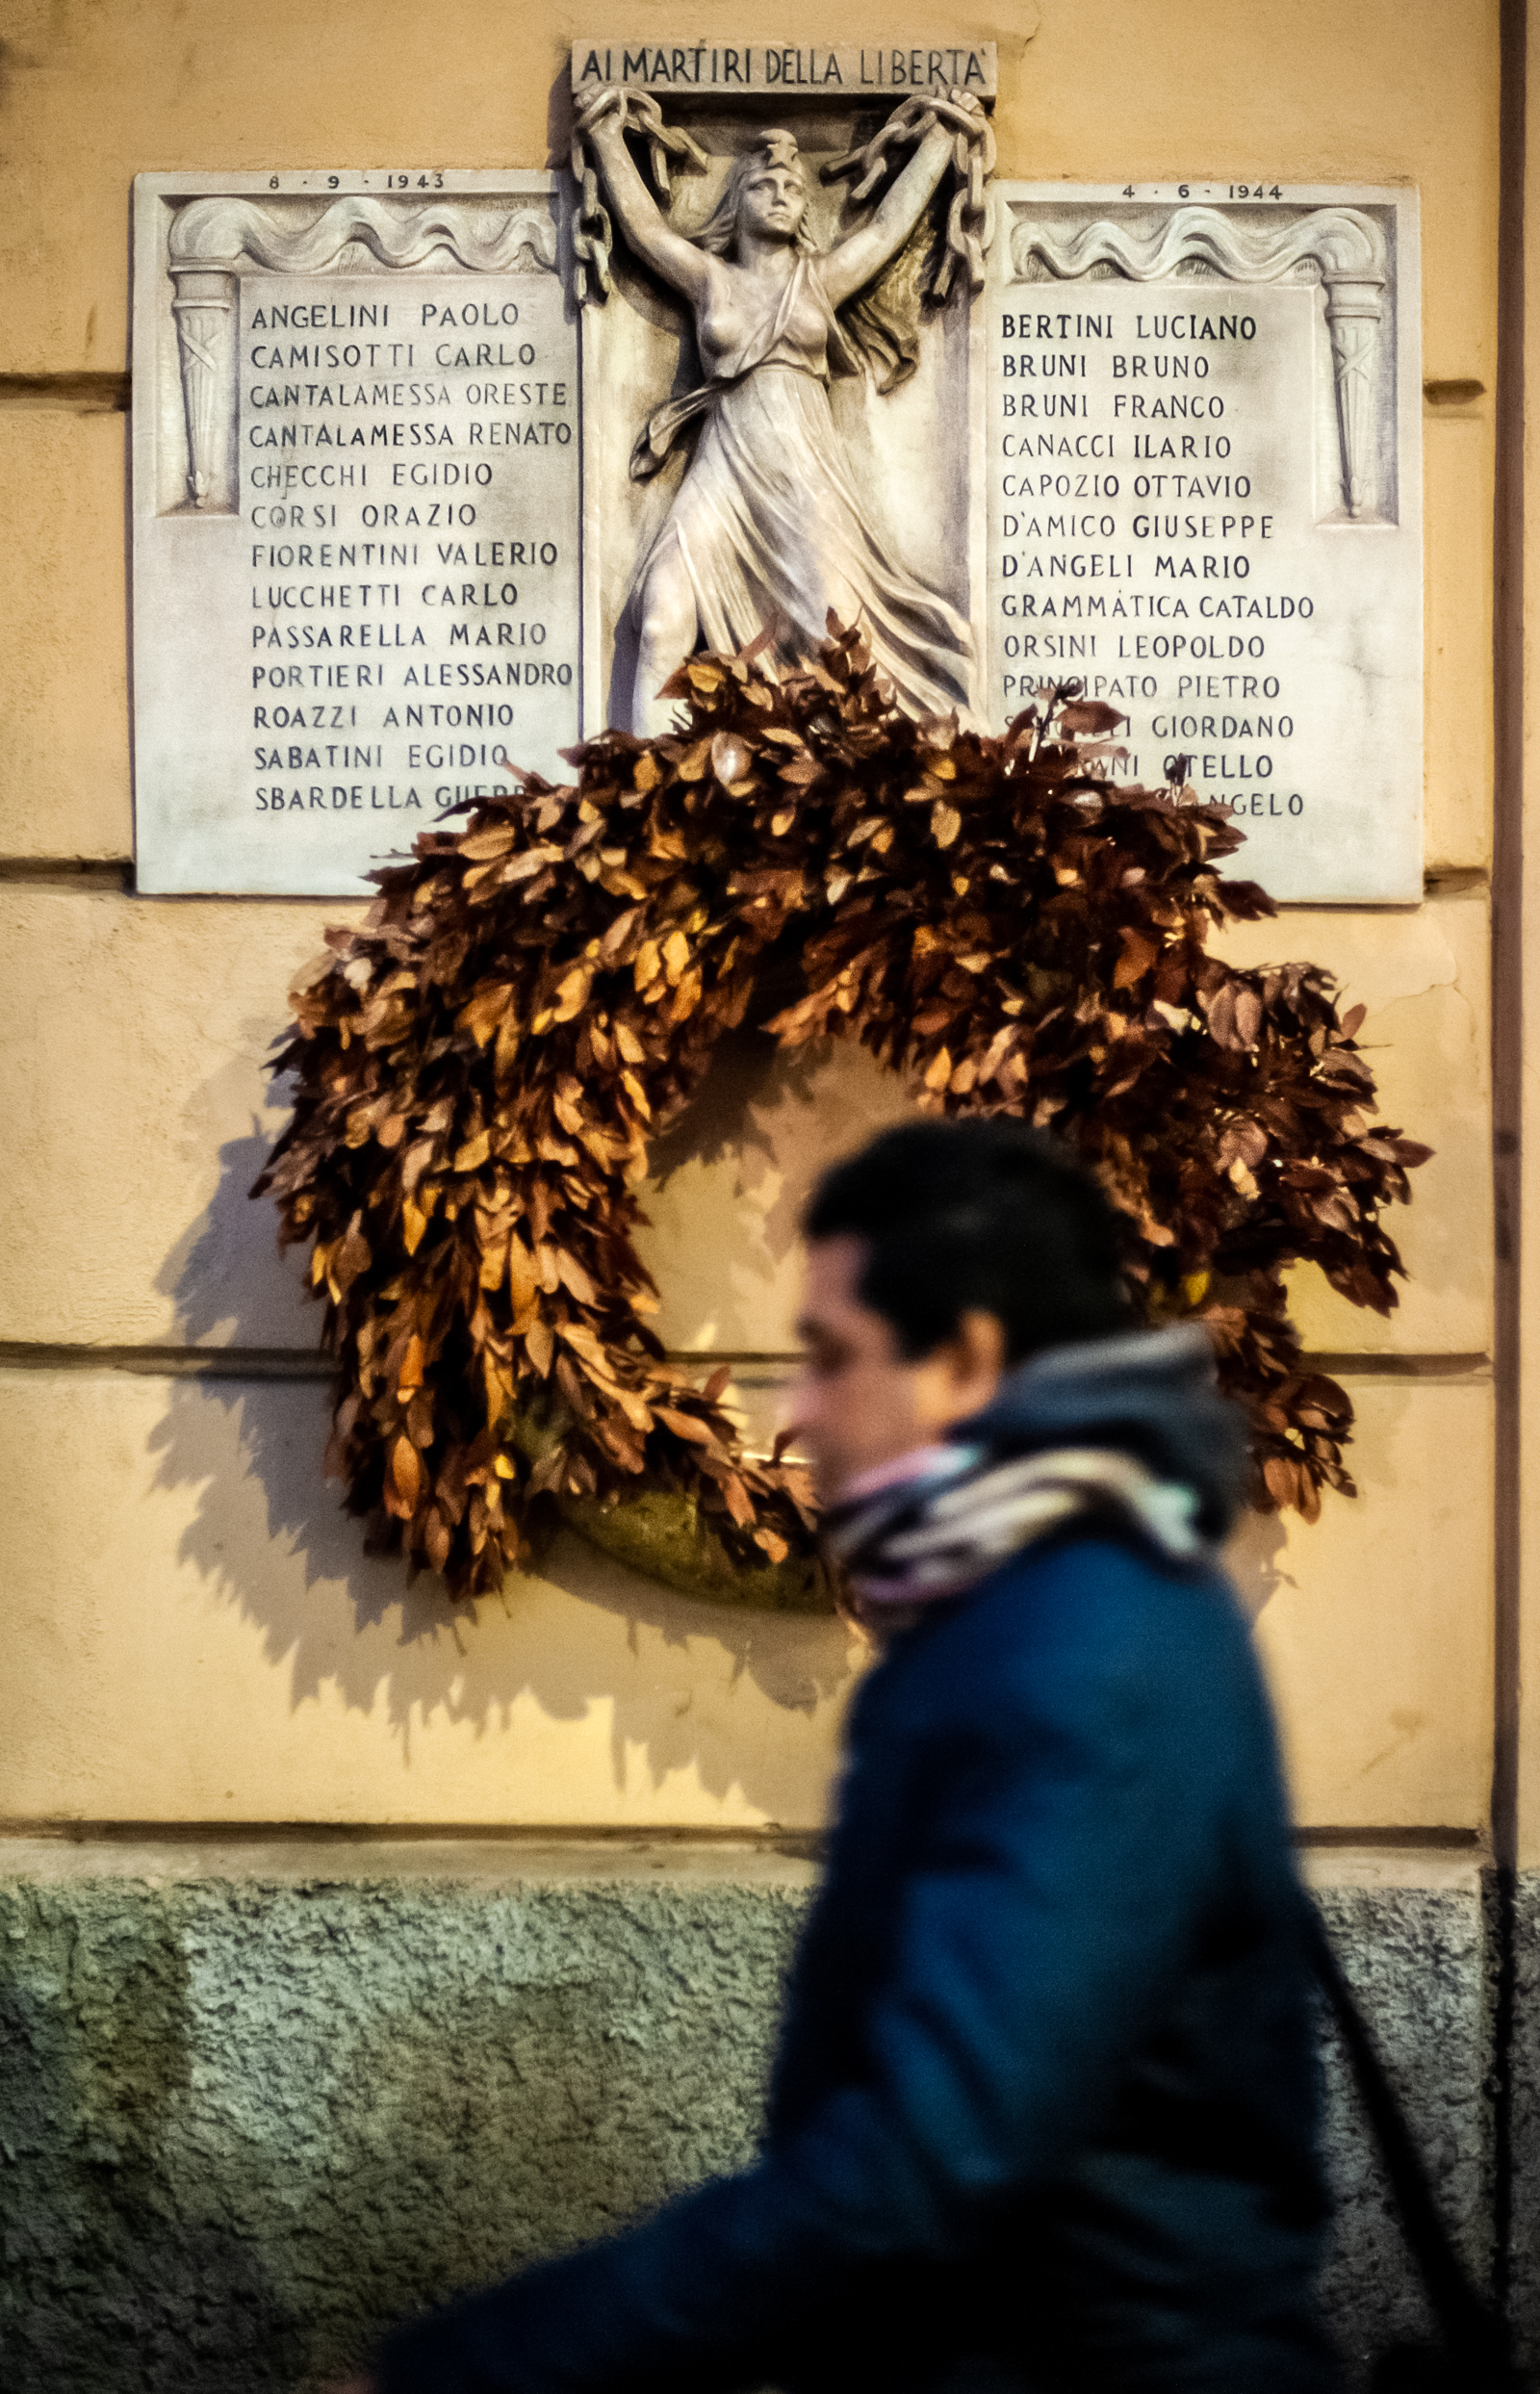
[(196, 1635), (64, 789), (193, 1631)]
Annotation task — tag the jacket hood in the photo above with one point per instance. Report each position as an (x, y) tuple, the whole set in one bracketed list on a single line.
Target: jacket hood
[(1146, 1393)]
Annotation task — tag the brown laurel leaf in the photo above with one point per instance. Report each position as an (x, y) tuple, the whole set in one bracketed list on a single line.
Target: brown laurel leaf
[(685, 1426), (574, 1278), (1140, 956), (436, 1538), (410, 1375), (526, 867), (496, 840), (619, 933), (739, 1502), (1282, 1478), (636, 1408), (494, 1257), (523, 1284), (484, 1010), (1089, 717), (730, 758), (1243, 1141), (406, 1471), (1222, 1016), (351, 1257), (414, 1221), (573, 993)]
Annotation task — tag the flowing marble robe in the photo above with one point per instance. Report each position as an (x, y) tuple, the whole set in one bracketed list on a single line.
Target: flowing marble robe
[(769, 525)]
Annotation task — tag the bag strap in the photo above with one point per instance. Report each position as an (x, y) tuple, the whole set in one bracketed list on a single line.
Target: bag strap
[(1470, 2326)]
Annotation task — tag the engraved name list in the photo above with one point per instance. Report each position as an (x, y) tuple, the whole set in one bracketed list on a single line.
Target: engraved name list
[(364, 524), (1204, 504)]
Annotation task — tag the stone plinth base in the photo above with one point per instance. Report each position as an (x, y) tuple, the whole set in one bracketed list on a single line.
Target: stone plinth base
[(258, 2099)]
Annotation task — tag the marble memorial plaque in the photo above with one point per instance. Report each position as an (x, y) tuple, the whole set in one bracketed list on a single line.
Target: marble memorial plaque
[(356, 552), (1205, 503)]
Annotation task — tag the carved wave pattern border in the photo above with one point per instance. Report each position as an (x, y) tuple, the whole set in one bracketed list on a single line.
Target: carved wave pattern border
[(484, 238)]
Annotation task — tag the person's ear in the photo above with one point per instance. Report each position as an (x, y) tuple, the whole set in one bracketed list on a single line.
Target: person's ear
[(980, 1347), (960, 1376)]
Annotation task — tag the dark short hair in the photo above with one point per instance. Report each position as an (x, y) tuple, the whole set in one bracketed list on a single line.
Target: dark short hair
[(983, 1213)]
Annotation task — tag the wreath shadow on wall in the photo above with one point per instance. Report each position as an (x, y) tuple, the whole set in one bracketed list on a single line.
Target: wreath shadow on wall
[(480, 1068)]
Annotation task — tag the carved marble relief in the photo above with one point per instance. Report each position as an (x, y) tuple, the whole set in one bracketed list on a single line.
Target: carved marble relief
[(781, 331), (768, 532)]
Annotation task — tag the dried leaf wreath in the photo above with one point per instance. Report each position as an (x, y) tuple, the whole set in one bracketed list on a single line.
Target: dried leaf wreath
[(479, 1069)]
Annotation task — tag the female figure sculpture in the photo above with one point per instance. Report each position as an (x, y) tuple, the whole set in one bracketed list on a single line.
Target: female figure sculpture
[(768, 530)]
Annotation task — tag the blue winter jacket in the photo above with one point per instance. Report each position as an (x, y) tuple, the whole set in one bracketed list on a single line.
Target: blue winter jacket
[(1044, 2114)]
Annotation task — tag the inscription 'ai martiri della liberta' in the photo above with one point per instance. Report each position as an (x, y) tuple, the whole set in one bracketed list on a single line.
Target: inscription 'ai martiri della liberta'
[(735, 69)]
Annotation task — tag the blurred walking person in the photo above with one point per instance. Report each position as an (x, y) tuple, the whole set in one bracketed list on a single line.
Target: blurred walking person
[(1043, 2116)]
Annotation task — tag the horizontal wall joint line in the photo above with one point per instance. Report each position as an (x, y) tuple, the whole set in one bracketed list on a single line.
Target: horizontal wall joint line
[(1455, 1838), (400, 1832), (70, 872), (298, 1363), (168, 1362), (83, 393)]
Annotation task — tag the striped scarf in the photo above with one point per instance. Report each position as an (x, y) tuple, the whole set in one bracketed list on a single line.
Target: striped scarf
[(909, 1538)]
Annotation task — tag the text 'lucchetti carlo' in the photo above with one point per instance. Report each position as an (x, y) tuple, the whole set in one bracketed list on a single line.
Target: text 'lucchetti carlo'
[(408, 471)]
